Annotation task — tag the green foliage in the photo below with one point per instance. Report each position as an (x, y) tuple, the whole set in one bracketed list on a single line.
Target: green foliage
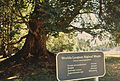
[(111, 18), (82, 45), (58, 16), (67, 43), (59, 13), (64, 42), (10, 28)]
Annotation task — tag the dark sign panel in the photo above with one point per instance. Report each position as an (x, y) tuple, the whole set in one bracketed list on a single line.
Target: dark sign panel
[(83, 65)]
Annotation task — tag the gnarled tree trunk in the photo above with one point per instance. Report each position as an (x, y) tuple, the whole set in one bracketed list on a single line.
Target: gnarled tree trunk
[(35, 44)]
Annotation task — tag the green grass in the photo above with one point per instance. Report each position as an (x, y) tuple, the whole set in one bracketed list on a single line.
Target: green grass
[(112, 69)]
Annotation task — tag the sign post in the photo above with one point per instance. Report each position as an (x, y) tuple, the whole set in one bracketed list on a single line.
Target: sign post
[(77, 66), (96, 79)]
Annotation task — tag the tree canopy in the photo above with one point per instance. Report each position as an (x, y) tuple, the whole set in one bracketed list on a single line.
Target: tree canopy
[(58, 14), (54, 16)]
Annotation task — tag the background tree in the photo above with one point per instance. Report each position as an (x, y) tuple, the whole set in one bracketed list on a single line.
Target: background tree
[(111, 18), (63, 43), (8, 29)]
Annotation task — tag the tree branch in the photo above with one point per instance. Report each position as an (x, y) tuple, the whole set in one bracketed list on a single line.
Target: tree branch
[(21, 16), (18, 40), (87, 12), (79, 29), (26, 23), (88, 29), (74, 13), (100, 13)]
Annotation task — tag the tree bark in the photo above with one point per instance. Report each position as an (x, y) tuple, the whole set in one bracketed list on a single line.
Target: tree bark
[(34, 44), (38, 45)]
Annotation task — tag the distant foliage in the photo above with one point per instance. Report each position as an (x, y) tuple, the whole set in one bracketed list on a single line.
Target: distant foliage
[(64, 42), (67, 43)]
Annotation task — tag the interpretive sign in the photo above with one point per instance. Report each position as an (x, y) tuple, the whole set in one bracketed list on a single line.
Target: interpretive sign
[(77, 66)]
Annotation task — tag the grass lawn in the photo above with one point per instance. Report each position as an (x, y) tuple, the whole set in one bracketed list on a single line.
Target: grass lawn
[(112, 70), (112, 73)]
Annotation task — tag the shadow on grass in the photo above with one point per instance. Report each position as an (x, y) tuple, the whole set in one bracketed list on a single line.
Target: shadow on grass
[(112, 59), (112, 73)]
